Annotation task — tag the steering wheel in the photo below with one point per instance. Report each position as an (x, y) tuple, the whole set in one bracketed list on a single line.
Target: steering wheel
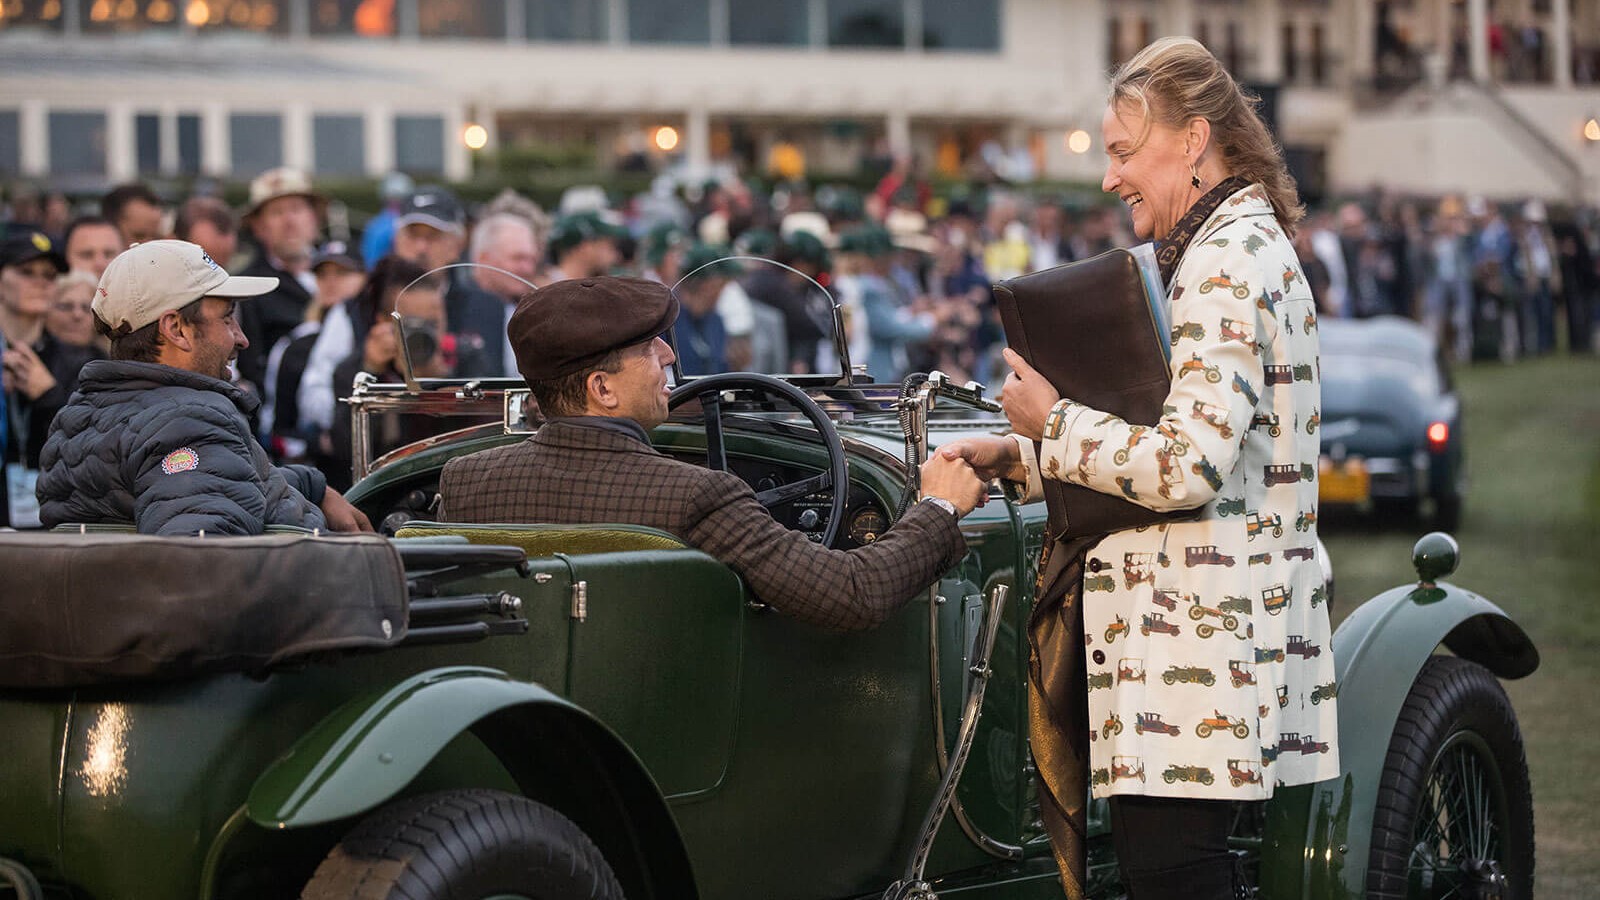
[(709, 389)]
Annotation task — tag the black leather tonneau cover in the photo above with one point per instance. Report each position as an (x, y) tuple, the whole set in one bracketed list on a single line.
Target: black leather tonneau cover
[(83, 609)]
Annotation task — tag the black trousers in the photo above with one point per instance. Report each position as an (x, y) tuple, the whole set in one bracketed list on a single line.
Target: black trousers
[(1173, 848)]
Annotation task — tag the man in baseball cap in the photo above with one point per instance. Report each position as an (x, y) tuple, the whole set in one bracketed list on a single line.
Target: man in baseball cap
[(592, 353), (157, 436)]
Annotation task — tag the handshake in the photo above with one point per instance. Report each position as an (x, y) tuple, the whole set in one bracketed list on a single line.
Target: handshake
[(961, 470)]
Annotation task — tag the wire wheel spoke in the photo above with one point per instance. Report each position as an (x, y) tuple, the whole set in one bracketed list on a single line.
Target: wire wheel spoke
[(1456, 841)]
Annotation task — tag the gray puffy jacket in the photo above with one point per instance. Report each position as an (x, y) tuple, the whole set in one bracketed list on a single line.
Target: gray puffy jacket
[(170, 451)]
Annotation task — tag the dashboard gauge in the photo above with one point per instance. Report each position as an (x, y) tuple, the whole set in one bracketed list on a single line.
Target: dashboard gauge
[(866, 525)]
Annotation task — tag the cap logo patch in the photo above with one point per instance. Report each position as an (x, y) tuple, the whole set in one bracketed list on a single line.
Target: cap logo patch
[(207, 257), (183, 459), (41, 242)]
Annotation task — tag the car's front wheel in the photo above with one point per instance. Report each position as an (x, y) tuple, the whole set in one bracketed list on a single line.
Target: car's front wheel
[(1456, 819), (465, 843)]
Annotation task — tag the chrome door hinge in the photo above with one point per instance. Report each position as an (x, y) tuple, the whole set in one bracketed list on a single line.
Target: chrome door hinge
[(580, 600)]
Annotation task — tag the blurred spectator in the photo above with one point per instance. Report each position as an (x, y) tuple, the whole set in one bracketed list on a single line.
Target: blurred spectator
[(431, 232), (56, 215), (71, 318), (1328, 249), (90, 244), (395, 285), (1540, 279), (208, 222), (1316, 271), (1447, 296), (893, 319), (1578, 282), (1495, 284), (377, 240), (700, 336), (807, 312), (136, 212), (40, 372), (339, 277), (1047, 240), (583, 245), (506, 242), (284, 216)]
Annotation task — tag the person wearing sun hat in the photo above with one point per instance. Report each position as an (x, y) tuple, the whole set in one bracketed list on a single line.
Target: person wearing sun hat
[(285, 216), (157, 436)]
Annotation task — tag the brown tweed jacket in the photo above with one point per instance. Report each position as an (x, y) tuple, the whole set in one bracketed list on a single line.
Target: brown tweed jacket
[(575, 474)]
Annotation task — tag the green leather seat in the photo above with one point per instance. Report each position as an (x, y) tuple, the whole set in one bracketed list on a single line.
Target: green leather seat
[(548, 540)]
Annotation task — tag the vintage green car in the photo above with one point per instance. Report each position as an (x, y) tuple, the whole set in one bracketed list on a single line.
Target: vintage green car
[(577, 712)]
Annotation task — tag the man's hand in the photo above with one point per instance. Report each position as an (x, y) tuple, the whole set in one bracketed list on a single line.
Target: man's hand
[(990, 457), (953, 480), (1026, 397), (341, 515)]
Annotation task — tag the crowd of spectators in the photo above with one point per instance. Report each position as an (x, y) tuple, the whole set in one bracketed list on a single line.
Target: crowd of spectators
[(909, 268)]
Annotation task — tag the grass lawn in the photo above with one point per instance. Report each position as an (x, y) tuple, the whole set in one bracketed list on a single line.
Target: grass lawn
[(1530, 540)]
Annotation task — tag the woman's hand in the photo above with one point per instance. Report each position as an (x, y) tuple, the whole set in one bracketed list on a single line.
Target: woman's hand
[(1026, 397), (26, 373)]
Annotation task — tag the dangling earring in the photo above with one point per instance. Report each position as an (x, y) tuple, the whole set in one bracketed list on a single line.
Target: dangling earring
[(1194, 175)]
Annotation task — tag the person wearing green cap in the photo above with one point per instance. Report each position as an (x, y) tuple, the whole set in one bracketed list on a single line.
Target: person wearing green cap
[(893, 320), (583, 245), (701, 335)]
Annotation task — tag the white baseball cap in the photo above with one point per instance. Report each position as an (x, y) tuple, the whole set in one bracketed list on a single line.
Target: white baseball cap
[(148, 279)]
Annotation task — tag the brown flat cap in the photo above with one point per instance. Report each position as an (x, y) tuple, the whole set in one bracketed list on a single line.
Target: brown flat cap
[(561, 328)]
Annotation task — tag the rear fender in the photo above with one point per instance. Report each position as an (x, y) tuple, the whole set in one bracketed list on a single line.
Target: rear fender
[(366, 753), (1319, 835)]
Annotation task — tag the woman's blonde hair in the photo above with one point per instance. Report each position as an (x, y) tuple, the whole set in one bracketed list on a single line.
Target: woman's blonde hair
[(1175, 80)]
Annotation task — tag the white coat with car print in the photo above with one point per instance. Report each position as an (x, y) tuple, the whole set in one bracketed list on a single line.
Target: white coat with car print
[(1210, 670)]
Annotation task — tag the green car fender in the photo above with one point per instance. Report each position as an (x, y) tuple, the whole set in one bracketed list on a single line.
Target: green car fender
[(366, 752), (1310, 848)]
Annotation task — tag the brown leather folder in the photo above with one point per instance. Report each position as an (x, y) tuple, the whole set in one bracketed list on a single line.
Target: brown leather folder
[(1090, 328)]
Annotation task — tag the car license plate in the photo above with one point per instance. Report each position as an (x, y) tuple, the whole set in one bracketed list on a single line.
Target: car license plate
[(1343, 482)]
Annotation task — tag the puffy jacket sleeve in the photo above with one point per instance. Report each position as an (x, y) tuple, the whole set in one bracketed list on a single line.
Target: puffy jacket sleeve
[(193, 471)]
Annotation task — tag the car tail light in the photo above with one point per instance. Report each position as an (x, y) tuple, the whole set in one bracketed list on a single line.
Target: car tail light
[(1438, 436)]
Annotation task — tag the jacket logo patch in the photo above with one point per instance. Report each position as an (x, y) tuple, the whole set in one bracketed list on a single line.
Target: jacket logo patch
[(182, 459)]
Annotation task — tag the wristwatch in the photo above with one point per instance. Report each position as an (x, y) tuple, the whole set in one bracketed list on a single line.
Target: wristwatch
[(943, 504)]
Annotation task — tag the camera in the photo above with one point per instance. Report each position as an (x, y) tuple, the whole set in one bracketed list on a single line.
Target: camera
[(422, 338)]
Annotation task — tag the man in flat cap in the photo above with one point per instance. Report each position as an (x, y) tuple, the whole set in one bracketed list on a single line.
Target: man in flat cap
[(590, 350), (157, 436)]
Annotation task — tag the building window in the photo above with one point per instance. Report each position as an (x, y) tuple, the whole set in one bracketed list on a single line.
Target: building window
[(30, 15), (257, 141), (365, 18), (264, 16), (114, 16), (764, 22), (961, 25), (866, 23), (419, 144), (147, 141), (669, 21), (77, 143), (340, 145), (10, 141), (188, 144), (461, 18), (567, 20)]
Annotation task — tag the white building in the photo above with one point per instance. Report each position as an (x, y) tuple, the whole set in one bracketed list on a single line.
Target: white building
[(1488, 96)]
